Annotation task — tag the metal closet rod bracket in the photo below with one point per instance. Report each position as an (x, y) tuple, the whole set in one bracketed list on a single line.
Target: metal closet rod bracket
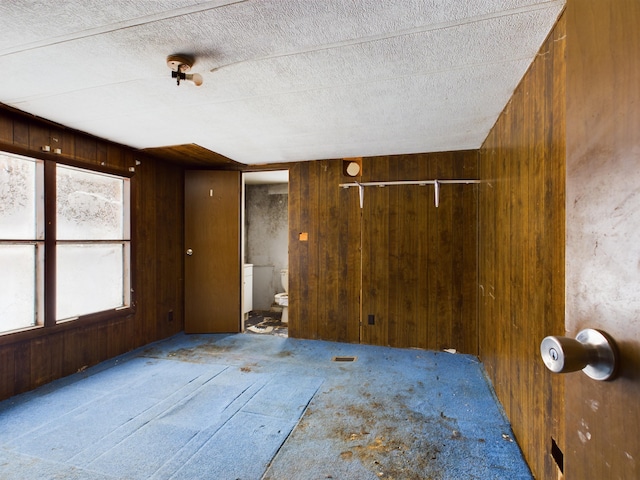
[(436, 184)]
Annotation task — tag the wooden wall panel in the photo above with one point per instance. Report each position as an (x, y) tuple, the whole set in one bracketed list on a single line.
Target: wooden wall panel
[(159, 250), (30, 359), (6, 129), (8, 370), (376, 225), (324, 258), (20, 132), (521, 253), (38, 136), (86, 148), (419, 261), (22, 368), (146, 265), (170, 241), (603, 231), (419, 270)]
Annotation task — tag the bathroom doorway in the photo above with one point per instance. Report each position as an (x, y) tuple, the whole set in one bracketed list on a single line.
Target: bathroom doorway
[(265, 251)]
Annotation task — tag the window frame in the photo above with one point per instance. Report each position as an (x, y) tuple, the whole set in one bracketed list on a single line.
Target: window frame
[(46, 321), (36, 241)]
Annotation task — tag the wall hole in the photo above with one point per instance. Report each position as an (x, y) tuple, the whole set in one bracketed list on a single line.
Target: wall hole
[(557, 455)]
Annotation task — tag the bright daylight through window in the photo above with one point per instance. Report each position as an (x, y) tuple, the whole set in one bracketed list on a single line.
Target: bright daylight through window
[(91, 248)]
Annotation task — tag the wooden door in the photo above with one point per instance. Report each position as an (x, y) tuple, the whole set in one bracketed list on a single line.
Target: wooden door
[(603, 232), (212, 256)]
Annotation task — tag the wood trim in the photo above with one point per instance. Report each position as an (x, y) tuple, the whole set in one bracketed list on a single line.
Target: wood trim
[(50, 215), (194, 156), (66, 160), (84, 321)]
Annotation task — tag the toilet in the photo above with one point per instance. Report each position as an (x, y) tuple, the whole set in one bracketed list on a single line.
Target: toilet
[(282, 299)]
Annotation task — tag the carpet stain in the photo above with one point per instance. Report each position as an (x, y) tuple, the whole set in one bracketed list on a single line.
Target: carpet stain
[(408, 453), (249, 367), (198, 354), (348, 455)]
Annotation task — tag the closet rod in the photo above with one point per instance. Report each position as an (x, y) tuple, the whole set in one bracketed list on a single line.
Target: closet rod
[(436, 183)]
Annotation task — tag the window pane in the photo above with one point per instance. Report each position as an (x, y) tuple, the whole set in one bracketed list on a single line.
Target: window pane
[(89, 279), (17, 198), (17, 286), (89, 205)]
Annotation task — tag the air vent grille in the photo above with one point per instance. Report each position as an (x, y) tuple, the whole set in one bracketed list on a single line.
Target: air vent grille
[(344, 359)]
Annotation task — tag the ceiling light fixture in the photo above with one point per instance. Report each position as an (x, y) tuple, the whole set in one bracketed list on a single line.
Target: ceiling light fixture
[(180, 65)]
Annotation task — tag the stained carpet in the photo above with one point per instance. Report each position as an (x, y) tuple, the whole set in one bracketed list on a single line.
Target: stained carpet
[(263, 407)]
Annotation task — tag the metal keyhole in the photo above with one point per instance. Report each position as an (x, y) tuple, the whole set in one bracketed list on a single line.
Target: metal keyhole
[(553, 354)]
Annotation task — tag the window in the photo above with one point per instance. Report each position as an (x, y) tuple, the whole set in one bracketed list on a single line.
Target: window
[(90, 249), (21, 242), (92, 242)]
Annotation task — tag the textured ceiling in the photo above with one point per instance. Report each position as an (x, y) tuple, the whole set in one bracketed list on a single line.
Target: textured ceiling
[(284, 80)]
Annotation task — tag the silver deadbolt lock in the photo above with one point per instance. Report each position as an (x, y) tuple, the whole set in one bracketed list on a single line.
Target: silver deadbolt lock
[(592, 351), (189, 252)]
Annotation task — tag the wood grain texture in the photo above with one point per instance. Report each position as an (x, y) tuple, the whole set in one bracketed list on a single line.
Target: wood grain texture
[(27, 135), (158, 191), (324, 269), (419, 261), (521, 253), (212, 232), (415, 264), (603, 231), (30, 359), (194, 156)]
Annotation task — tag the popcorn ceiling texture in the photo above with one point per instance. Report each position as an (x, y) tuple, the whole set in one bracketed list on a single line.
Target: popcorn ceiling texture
[(283, 80)]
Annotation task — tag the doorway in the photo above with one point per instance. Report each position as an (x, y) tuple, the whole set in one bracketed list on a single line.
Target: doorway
[(265, 250)]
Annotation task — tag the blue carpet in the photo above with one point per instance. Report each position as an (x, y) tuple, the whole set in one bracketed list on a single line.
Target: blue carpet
[(262, 407)]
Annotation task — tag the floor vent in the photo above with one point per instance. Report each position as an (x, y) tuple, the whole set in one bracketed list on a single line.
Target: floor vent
[(344, 359)]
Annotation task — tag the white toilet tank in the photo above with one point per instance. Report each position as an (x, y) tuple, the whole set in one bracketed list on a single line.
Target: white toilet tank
[(284, 279)]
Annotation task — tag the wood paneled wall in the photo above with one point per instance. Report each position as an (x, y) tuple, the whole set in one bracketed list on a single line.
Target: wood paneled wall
[(521, 251), (324, 253), (415, 264), (419, 261), (30, 359)]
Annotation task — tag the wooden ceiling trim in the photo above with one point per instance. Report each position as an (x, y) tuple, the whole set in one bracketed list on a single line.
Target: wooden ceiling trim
[(192, 155)]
